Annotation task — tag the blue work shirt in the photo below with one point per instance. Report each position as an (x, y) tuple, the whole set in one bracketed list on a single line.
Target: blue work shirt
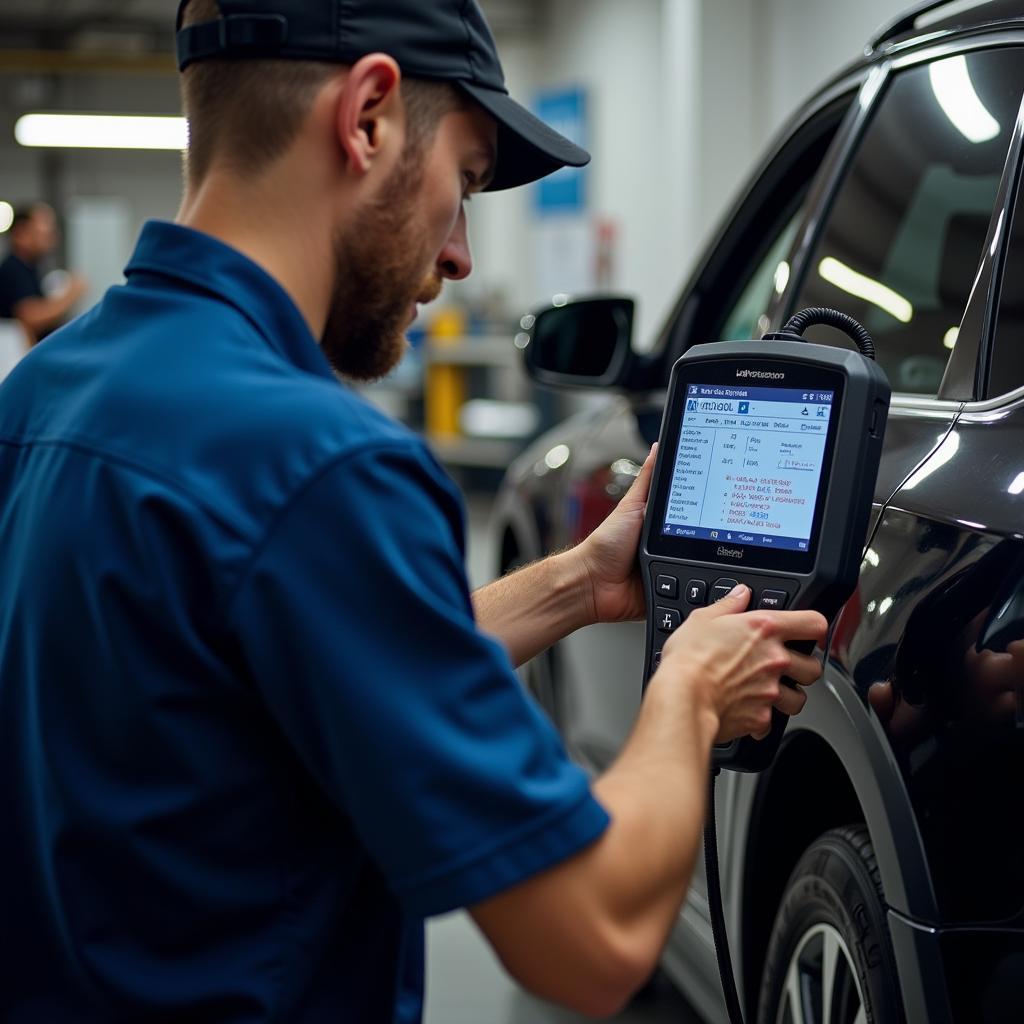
[(249, 734)]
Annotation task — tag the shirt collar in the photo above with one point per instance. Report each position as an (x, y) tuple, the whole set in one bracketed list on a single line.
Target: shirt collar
[(204, 262)]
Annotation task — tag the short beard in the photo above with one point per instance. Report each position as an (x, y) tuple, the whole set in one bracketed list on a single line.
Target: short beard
[(377, 278)]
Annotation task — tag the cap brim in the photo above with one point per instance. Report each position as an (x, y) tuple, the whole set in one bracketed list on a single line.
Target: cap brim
[(528, 149)]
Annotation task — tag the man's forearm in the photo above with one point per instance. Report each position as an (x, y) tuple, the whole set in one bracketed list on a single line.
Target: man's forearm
[(536, 606), (655, 793), (605, 914)]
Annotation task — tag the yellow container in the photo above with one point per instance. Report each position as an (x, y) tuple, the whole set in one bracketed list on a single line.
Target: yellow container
[(445, 384)]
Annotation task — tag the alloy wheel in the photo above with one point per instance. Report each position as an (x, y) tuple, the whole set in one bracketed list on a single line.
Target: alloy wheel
[(821, 984)]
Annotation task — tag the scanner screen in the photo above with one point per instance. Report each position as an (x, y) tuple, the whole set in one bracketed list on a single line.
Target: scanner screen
[(749, 465)]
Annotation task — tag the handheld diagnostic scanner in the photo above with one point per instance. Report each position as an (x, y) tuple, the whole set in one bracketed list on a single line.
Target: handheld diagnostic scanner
[(765, 474)]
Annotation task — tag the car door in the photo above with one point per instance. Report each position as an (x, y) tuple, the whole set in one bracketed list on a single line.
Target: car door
[(599, 671), (914, 247)]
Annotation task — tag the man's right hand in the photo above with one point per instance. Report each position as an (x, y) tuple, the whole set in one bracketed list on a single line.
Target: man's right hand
[(735, 662)]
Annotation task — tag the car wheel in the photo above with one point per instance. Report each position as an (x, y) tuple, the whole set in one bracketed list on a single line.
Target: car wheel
[(830, 956)]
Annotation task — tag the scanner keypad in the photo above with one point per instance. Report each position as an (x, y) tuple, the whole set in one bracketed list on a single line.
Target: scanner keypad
[(722, 588), (668, 620), (673, 602)]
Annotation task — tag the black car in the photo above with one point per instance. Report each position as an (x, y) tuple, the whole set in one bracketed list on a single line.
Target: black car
[(876, 872)]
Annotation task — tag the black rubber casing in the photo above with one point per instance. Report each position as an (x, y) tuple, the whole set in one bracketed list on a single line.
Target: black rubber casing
[(822, 578)]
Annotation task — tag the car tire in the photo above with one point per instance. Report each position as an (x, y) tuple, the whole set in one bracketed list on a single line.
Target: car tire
[(830, 939)]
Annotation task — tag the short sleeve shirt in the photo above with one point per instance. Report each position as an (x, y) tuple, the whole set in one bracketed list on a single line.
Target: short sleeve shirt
[(18, 281), (250, 736)]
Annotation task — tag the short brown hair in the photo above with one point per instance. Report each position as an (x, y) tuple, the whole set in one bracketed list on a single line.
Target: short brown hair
[(247, 112)]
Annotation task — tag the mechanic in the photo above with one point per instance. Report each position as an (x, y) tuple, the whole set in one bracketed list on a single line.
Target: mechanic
[(34, 236), (253, 727)]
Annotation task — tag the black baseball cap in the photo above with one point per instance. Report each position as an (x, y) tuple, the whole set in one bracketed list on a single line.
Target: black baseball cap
[(441, 40)]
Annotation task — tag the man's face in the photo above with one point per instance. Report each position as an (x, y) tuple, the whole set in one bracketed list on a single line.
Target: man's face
[(397, 251), (37, 236)]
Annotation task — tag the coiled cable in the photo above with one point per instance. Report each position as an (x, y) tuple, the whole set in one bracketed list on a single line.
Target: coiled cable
[(799, 322)]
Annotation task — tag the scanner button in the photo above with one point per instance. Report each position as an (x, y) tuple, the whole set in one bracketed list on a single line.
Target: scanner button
[(667, 586), (656, 661), (877, 419), (774, 599), (721, 589), (667, 619), (696, 592)]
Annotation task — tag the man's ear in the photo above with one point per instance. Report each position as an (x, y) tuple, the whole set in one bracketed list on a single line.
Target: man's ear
[(369, 111)]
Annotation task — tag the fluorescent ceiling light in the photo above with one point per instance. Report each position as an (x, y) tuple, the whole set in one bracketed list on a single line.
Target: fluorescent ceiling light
[(101, 131), (953, 88), (949, 338), (867, 288), (6, 217), (1017, 487)]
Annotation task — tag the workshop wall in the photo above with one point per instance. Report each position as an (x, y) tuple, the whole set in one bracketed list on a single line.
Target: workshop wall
[(683, 97)]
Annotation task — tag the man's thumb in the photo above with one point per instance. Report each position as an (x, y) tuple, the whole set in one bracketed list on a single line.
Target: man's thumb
[(636, 496), (735, 601)]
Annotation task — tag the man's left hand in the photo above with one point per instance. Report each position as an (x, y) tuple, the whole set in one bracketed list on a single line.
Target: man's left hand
[(609, 555)]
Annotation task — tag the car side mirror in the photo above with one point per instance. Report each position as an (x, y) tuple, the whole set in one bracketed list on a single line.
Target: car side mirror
[(587, 343)]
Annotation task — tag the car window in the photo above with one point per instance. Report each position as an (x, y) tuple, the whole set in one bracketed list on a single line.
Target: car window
[(1006, 371), (747, 318), (902, 243), (734, 288)]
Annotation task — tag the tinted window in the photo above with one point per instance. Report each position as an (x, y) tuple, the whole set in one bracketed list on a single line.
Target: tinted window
[(747, 318), (902, 243), (1007, 368), (737, 284)]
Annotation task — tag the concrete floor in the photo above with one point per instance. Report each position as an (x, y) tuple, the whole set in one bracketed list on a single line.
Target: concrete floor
[(465, 983)]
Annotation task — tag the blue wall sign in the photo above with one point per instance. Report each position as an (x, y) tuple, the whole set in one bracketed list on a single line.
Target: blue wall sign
[(564, 191)]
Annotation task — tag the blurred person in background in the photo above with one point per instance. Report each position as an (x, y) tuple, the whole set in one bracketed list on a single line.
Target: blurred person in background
[(33, 237)]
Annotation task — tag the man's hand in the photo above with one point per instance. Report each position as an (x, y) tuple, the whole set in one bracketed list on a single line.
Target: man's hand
[(609, 554), (736, 662)]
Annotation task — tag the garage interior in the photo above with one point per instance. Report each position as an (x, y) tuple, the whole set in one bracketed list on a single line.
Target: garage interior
[(677, 100)]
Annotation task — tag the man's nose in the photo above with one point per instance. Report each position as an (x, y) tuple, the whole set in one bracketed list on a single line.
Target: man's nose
[(455, 261)]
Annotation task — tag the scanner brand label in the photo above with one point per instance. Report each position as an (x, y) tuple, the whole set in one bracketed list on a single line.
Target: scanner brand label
[(730, 553), (761, 374)]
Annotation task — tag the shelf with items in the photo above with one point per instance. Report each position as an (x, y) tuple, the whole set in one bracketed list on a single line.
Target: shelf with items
[(475, 452), (495, 350), (469, 395), (478, 404)]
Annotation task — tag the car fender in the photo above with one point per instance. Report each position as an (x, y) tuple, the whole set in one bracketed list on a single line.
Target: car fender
[(835, 719)]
